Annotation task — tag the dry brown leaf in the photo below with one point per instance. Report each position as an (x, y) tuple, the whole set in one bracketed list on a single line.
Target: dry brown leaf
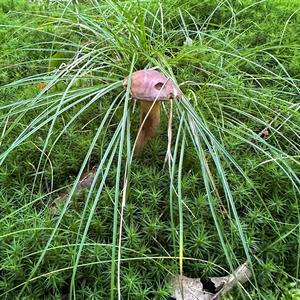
[(84, 182), (241, 275), (86, 179), (192, 288)]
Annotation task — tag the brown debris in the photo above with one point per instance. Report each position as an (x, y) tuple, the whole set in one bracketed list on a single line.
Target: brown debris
[(84, 182), (192, 288)]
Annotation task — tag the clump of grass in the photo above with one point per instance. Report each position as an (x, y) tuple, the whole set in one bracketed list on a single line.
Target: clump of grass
[(229, 192)]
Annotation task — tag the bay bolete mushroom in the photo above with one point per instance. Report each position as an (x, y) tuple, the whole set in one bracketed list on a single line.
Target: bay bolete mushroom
[(150, 87)]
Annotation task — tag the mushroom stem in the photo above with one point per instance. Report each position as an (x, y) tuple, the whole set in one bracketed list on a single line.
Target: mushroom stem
[(149, 123)]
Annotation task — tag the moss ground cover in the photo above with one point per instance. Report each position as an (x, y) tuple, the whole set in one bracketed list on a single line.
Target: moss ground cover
[(228, 194)]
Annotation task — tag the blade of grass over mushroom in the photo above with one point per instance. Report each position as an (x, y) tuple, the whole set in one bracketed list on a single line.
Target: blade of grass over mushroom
[(54, 117), (200, 124), (124, 194), (44, 101), (172, 191), (32, 104), (228, 193), (125, 191), (209, 185), (93, 143), (100, 168), (123, 123), (211, 146), (208, 182), (60, 104), (98, 95), (93, 208), (180, 209), (44, 115)]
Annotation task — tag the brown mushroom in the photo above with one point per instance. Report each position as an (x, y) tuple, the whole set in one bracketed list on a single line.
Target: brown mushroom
[(150, 87)]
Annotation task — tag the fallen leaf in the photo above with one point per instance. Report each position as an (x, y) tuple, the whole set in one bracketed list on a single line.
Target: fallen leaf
[(188, 289), (192, 288), (85, 181), (226, 283)]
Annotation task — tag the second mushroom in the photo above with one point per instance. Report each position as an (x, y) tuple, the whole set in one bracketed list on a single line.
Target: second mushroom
[(150, 87)]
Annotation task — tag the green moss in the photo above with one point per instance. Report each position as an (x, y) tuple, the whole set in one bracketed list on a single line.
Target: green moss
[(247, 63)]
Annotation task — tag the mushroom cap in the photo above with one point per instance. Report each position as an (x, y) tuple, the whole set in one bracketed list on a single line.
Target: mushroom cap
[(151, 85)]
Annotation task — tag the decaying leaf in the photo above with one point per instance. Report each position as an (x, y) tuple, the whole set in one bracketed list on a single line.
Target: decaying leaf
[(86, 179), (192, 288), (189, 289), (84, 182), (226, 283)]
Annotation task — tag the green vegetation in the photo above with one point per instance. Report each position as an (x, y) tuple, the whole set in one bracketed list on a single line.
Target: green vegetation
[(229, 192)]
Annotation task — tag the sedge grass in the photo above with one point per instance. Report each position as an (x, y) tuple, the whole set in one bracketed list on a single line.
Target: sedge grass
[(233, 91)]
